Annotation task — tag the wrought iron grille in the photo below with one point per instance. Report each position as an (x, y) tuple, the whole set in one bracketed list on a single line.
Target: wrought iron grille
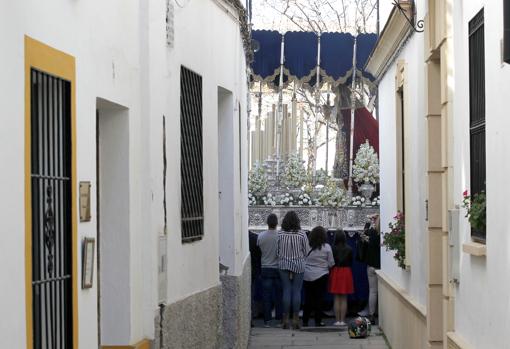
[(192, 203), (477, 106), (402, 149), (51, 211)]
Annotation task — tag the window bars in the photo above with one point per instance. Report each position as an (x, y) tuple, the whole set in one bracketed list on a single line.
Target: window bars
[(477, 107), (192, 202), (51, 211)]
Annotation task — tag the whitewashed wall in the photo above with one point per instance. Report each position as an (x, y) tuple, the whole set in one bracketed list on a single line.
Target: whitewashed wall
[(414, 281), (121, 56), (482, 306)]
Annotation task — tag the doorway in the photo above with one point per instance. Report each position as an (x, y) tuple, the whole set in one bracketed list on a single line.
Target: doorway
[(226, 177), (113, 252), (51, 198)]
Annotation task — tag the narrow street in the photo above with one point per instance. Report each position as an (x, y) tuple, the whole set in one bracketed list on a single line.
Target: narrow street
[(327, 338)]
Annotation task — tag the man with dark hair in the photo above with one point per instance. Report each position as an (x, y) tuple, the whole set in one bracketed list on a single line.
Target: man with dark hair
[(271, 284)]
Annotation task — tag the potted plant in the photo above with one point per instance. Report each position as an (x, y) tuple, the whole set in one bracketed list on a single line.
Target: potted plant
[(395, 239), (475, 210), (365, 170)]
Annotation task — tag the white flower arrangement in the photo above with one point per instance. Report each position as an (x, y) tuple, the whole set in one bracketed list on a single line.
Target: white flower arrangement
[(269, 200), (286, 200), (358, 201), (376, 201), (304, 199), (252, 200), (294, 175), (366, 165), (322, 176), (332, 196), (257, 180)]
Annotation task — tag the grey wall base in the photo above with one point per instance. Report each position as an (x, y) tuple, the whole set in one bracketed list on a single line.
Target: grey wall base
[(194, 322), (237, 308)]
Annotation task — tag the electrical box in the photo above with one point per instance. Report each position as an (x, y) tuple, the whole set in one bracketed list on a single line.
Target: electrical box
[(453, 246)]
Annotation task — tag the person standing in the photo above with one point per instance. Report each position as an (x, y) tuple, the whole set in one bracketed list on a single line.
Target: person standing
[(271, 284), (340, 278), (255, 273), (292, 250), (371, 255), (318, 262)]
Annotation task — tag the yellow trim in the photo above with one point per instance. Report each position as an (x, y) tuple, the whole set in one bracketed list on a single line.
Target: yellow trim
[(143, 344), (54, 62), (456, 342)]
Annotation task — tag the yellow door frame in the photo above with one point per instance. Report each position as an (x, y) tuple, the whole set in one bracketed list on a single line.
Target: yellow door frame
[(62, 65)]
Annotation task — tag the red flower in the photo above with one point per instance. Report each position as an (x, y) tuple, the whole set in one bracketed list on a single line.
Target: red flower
[(465, 193)]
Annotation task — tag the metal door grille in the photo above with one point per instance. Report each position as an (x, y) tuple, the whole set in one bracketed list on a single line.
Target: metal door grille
[(477, 107), (192, 203), (51, 211)]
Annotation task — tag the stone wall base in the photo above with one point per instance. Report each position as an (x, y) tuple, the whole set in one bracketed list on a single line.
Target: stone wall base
[(194, 322), (402, 320), (237, 308)]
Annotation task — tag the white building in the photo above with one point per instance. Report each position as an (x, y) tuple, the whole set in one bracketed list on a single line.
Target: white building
[(126, 95), (442, 109)]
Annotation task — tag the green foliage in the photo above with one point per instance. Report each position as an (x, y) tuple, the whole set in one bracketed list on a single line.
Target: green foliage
[(395, 239), (476, 210)]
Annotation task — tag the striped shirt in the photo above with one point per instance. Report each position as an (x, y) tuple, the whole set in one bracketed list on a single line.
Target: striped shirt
[(292, 249)]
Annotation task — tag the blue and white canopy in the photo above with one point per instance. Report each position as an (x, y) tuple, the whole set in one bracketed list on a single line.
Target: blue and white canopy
[(300, 56)]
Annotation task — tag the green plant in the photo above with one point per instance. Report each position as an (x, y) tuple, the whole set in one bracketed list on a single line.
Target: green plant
[(395, 239), (475, 210)]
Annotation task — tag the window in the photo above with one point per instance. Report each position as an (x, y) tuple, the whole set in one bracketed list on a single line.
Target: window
[(400, 138), (477, 108), (192, 203)]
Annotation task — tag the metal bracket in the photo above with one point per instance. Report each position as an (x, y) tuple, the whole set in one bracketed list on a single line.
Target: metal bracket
[(419, 25)]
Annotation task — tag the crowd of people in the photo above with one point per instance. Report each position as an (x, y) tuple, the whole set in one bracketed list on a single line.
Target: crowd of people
[(292, 260)]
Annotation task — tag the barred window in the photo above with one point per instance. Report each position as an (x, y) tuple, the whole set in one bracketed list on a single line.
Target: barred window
[(477, 108), (192, 203)]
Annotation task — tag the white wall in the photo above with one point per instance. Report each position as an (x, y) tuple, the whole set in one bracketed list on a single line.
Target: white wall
[(413, 281), (203, 30), (99, 35), (121, 56), (482, 306)]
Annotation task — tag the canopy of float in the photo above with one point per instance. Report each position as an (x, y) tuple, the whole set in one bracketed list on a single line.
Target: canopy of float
[(300, 53)]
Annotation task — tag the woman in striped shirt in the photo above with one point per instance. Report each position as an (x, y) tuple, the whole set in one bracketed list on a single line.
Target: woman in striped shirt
[(292, 248)]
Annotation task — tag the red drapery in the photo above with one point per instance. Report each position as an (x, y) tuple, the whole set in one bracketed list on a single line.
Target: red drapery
[(365, 127)]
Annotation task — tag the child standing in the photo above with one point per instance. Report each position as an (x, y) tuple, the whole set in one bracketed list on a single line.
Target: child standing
[(340, 278)]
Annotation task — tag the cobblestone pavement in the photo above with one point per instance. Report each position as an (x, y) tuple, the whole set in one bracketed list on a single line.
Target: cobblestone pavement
[(327, 338)]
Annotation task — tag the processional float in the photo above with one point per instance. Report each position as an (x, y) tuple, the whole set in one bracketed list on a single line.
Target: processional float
[(311, 60)]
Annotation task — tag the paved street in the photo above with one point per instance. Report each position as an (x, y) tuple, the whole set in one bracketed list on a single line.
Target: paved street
[(327, 338)]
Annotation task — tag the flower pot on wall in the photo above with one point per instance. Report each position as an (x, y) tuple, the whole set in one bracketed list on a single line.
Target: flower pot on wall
[(367, 190)]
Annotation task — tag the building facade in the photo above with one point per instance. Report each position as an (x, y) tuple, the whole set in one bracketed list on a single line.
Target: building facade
[(124, 131), (441, 94)]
